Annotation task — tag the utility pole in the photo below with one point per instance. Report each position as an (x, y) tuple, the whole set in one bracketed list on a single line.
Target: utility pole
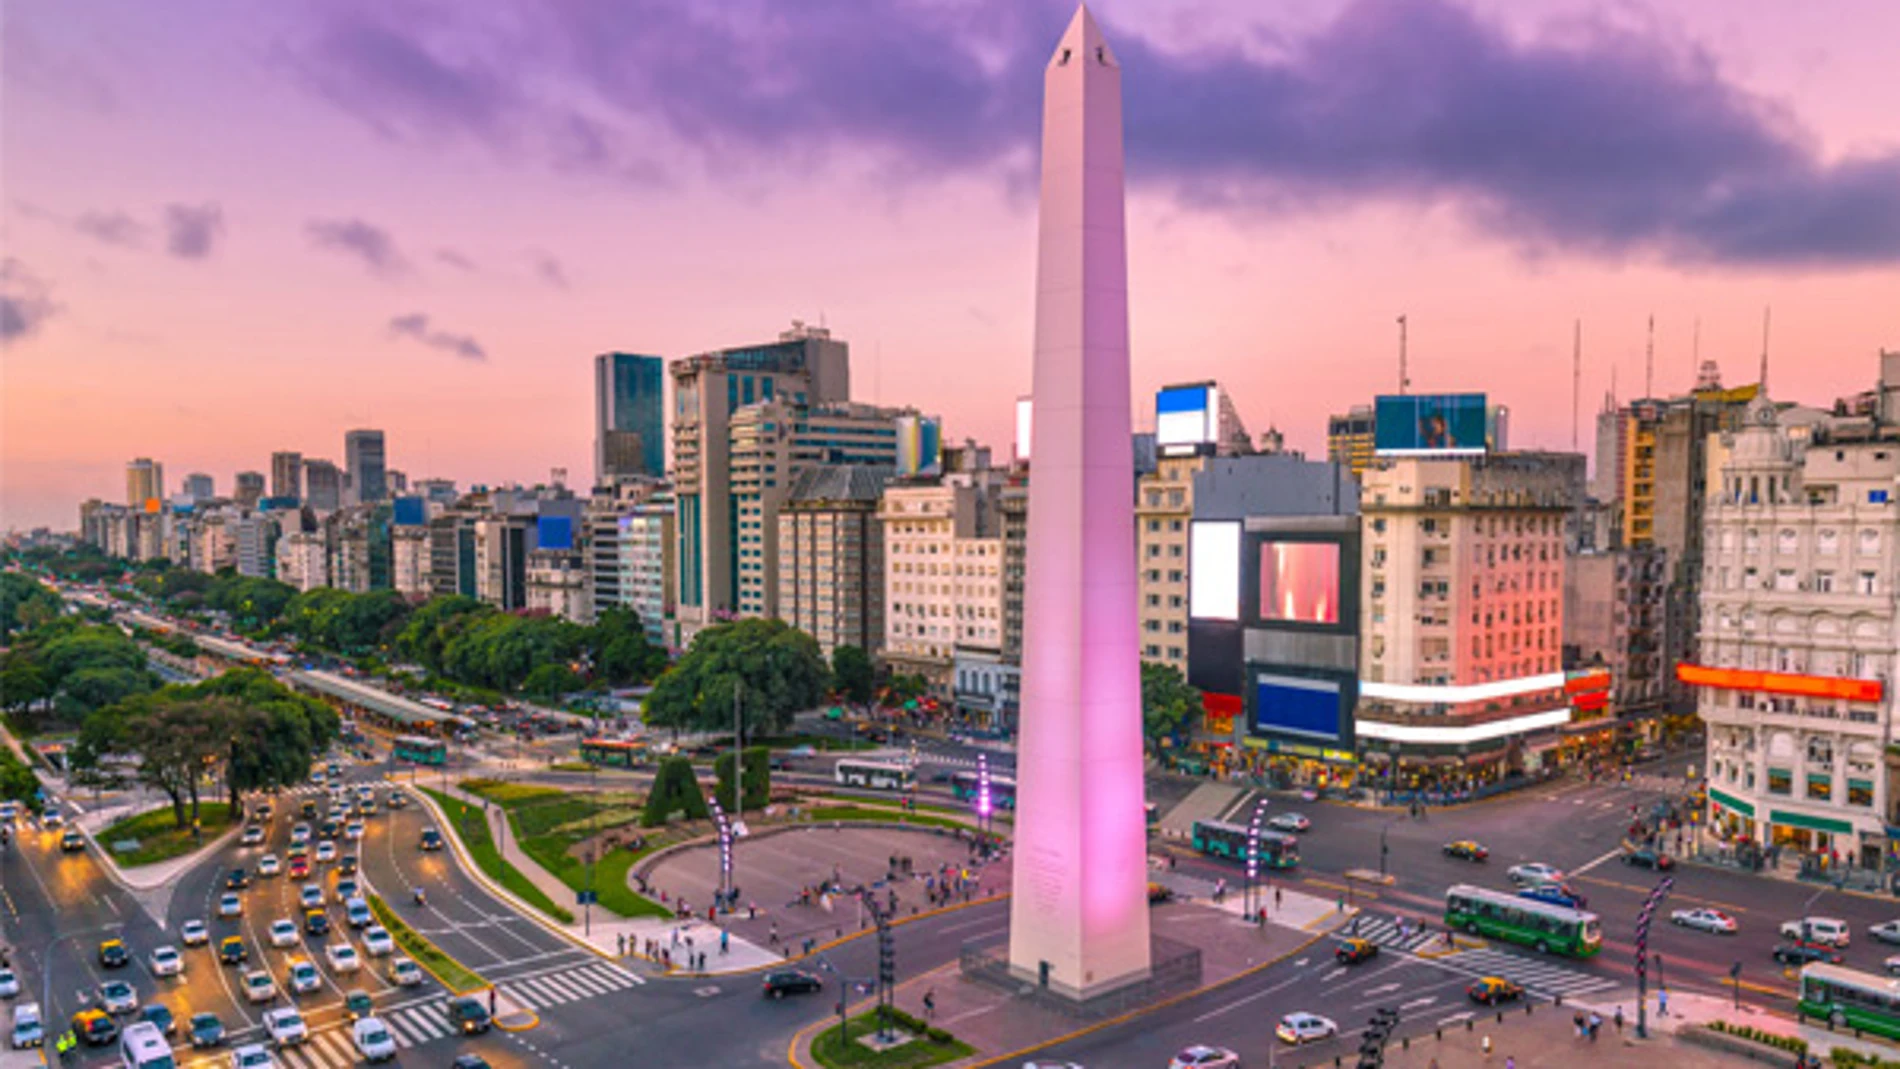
[(1405, 381), (1649, 362), (1576, 386)]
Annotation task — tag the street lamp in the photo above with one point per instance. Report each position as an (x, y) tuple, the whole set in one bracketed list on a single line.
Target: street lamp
[(1253, 853)]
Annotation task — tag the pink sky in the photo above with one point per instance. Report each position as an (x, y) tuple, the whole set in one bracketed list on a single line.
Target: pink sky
[(212, 214)]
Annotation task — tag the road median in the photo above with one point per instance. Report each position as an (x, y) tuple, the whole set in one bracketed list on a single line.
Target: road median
[(452, 974)]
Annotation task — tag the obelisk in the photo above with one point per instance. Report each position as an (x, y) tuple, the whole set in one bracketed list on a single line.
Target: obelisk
[(1079, 912)]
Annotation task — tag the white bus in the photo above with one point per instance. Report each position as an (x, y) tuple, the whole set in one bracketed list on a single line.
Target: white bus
[(876, 774)]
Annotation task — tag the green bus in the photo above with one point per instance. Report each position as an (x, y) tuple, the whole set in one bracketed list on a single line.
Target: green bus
[(1217, 838), (1865, 1002), (1550, 928), (965, 785), (421, 750), (614, 753)]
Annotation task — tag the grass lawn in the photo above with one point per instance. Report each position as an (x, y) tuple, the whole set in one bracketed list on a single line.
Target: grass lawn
[(471, 827), (849, 811), (548, 822), (454, 975), (158, 838), (820, 743), (837, 1051)]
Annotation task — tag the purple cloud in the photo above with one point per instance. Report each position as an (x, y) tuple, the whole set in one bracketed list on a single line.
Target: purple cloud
[(549, 270), (192, 229), (25, 301), (1594, 139), (455, 259), (416, 326), (113, 228), (365, 241)]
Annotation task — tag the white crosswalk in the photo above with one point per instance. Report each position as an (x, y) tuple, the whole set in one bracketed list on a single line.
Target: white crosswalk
[(1539, 976), (1385, 932)]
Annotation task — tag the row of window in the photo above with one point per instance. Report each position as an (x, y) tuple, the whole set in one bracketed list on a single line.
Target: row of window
[(1827, 541), (1822, 581), (1152, 652)]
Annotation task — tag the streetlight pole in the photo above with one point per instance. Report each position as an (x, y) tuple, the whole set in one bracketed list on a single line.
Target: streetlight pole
[(593, 848)]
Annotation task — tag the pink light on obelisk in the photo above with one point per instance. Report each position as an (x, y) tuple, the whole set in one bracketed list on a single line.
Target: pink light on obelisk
[(1079, 914)]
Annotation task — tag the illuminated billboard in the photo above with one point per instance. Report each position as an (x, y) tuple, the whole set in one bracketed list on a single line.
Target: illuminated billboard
[(1305, 706), (1186, 416), (919, 445), (1299, 582), (1024, 423), (1214, 570), (1445, 424)]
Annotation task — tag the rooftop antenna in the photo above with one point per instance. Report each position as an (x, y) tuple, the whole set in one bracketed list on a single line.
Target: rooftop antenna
[(1649, 361), (1695, 352), (1764, 348), (1405, 382), (1576, 385)]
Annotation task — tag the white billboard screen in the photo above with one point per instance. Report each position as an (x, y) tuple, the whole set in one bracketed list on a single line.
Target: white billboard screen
[(1214, 570)]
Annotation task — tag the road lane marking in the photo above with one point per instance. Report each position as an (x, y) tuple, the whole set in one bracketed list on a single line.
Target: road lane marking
[(1239, 1002), (1417, 1002), (1587, 866), (1331, 976), (1454, 1019), (1382, 989)]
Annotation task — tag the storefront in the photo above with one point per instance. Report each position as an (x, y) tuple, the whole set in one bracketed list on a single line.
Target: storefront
[(1820, 836), (1730, 817), (1291, 765)]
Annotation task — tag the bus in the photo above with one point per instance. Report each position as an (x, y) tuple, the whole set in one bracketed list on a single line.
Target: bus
[(421, 749), (1865, 1002), (1002, 789), (1550, 928), (876, 774), (1217, 838), (614, 753)]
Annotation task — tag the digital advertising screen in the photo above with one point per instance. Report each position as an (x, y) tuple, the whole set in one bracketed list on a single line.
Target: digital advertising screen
[(1299, 582), (1214, 570), (1185, 415), (1448, 424), (554, 532), (1308, 708), (410, 512)]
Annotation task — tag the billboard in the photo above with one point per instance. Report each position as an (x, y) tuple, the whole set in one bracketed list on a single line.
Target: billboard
[(1311, 707), (554, 532), (919, 445), (1025, 422), (1186, 416), (1299, 582), (410, 512), (1445, 424), (1214, 570)]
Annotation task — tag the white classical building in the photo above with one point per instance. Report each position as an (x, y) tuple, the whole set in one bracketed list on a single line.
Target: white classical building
[(1795, 667)]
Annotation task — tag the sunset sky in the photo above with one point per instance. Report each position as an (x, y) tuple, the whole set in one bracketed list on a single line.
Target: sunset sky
[(231, 228)]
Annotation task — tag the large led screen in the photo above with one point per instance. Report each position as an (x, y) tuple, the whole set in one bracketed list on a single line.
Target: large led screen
[(1184, 415), (1214, 570), (1299, 582), (1294, 705), (1445, 423)]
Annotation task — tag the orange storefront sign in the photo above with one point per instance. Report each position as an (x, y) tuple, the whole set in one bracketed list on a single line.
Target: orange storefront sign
[(1853, 690)]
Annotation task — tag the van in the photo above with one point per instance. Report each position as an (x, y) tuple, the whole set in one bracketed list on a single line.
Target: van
[(29, 1030), (1828, 931), (143, 1046)]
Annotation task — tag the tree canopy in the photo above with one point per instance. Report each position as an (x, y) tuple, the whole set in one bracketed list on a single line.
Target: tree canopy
[(77, 666), (853, 675), (1168, 703), (25, 603), (772, 668)]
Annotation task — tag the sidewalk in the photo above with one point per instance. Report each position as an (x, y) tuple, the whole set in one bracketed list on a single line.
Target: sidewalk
[(1710, 852)]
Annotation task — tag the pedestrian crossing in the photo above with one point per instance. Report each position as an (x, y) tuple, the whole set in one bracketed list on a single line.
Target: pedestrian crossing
[(1385, 932), (554, 987), (1538, 975)]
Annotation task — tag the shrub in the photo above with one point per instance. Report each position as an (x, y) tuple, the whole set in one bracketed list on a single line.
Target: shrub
[(675, 790)]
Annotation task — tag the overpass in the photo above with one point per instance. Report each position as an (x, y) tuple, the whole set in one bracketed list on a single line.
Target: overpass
[(375, 699)]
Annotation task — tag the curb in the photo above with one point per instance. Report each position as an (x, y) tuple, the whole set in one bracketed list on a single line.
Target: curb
[(646, 865), (534, 1021), (118, 875), (423, 965)]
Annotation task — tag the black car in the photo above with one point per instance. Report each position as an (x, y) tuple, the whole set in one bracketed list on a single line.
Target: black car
[(316, 922), (206, 1030), (468, 1015), (791, 982), (113, 955), (156, 1013), (1647, 858), (1803, 953), (309, 810), (238, 880), (346, 865), (431, 839), (328, 830)]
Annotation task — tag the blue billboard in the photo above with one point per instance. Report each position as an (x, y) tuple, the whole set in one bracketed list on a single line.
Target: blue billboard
[(410, 512), (554, 532), (1444, 424), (1186, 416), (1302, 704)]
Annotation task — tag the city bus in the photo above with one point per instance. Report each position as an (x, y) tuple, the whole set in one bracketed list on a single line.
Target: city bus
[(1550, 928), (614, 753), (421, 749), (1002, 789), (1217, 838), (884, 777), (1849, 998)]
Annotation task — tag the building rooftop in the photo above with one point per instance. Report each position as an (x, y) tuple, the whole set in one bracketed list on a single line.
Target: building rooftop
[(841, 482)]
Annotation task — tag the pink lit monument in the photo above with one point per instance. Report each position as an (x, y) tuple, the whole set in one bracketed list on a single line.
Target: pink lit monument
[(1079, 914)]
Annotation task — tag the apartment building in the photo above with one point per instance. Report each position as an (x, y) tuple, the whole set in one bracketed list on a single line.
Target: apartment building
[(831, 556), (943, 575)]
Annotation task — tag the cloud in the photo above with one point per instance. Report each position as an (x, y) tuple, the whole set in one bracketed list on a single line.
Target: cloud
[(549, 270), (26, 303), (455, 259), (113, 228), (416, 326), (192, 230), (1586, 137), (368, 243)]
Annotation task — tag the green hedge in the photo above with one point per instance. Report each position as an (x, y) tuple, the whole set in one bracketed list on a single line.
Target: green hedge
[(758, 778), (1791, 1044), (675, 791), (841, 1050), (470, 825)]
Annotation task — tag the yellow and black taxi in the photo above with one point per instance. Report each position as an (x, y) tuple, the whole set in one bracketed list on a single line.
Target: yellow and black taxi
[(232, 950), (1466, 850), (1491, 990), (316, 922), (1354, 951), (1159, 893), (95, 1026), (113, 955)]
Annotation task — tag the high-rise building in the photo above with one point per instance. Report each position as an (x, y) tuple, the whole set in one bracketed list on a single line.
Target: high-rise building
[(199, 487), (556, 583), (805, 367), (303, 560), (248, 488), (364, 457), (934, 529), (323, 485), (831, 556), (629, 416), (1349, 439), (1013, 509), (502, 544), (286, 475), (452, 554), (144, 484), (396, 481), (409, 560), (256, 535)]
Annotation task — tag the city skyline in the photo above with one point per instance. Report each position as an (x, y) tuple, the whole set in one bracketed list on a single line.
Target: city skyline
[(447, 266)]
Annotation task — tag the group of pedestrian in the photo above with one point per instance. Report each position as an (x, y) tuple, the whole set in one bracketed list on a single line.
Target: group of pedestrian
[(1588, 1024)]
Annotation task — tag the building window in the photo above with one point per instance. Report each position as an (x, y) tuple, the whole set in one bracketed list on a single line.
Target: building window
[(1824, 582), (1860, 792), (1780, 781), (1869, 542), (1869, 583), (1819, 787), (1785, 540), (1784, 579)]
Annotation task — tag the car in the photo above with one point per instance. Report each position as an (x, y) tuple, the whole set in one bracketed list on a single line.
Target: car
[(311, 897), (326, 852), (117, 996), (1557, 894), (258, 986), (1648, 858), (396, 800), (96, 1027), (302, 977), (158, 1016), (72, 842), (784, 982), (308, 811), (1466, 850), (353, 830), (372, 1040), (300, 835), (1828, 931), (469, 1061), (377, 941), (1159, 893), (1806, 953), (264, 810), (1295, 822), (1886, 931), (468, 1016), (299, 867), (327, 831), (316, 777), (113, 955), (283, 932), (346, 890), (1200, 1057), (285, 1027), (251, 836), (431, 839), (1299, 1028), (230, 905), (51, 817), (29, 1028), (1354, 951), (232, 950), (343, 957), (9, 984), (356, 911), (1705, 920), (252, 1056), (366, 805), (357, 1004), (1534, 872), (167, 961), (205, 1030), (195, 934), (1491, 990), (238, 880), (268, 865), (402, 972), (316, 922), (346, 864)]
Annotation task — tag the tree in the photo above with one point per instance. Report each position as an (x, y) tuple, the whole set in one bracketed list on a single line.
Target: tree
[(906, 688), (176, 739), (25, 603), (853, 675), (623, 655), (22, 683), (768, 668), (1168, 704), (95, 688), (675, 790), (274, 733), (438, 622), (758, 777), (549, 682)]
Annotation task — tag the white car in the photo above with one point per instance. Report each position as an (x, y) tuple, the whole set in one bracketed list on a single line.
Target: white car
[(1203, 1057), (326, 852), (356, 911), (353, 830), (285, 1026), (195, 934), (303, 977), (1304, 1028), (117, 996), (252, 1056), (1705, 920), (167, 961), (253, 836), (299, 835), (312, 896), (258, 986), (1289, 822), (1830, 931), (29, 1028), (372, 1040), (376, 941), (1534, 872), (230, 906), (268, 865), (283, 933), (343, 957), (1886, 931), (404, 973), (9, 984)]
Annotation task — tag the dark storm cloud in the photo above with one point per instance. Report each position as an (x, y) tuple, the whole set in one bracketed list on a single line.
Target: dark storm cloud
[(191, 230), (1592, 138), (416, 326), (367, 242)]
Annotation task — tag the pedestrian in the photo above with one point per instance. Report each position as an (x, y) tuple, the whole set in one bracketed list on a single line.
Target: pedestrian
[(1619, 1018), (1276, 898), (1662, 1002), (1596, 1022), (774, 939), (1510, 1061), (751, 910), (623, 944), (1577, 1022), (930, 1004), (725, 937), (491, 1000)]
